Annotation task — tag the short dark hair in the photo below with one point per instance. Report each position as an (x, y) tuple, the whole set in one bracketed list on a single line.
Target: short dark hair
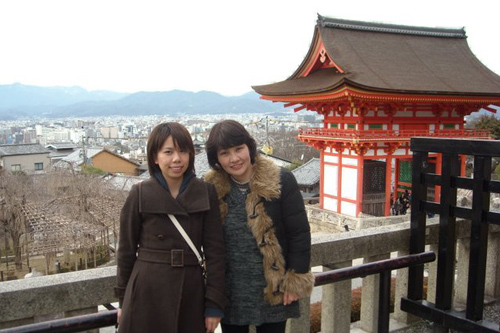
[(182, 139), (226, 134)]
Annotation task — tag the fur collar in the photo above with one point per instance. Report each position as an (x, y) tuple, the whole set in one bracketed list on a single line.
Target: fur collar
[(264, 183)]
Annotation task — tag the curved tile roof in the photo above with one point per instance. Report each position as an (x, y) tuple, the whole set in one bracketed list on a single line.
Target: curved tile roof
[(309, 173), (391, 58)]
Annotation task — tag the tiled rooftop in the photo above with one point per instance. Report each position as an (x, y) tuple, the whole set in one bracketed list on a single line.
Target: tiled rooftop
[(308, 173), (22, 149)]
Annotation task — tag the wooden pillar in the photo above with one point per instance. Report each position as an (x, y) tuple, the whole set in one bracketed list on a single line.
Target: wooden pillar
[(339, 184), (359, 190), (396, 178), (463, 159), (321, 179), (388, 178), (437, 189)]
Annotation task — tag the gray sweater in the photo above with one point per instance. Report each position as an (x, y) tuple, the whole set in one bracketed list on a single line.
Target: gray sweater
[(245, 281)]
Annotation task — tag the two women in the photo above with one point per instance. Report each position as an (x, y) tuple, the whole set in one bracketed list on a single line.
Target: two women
[(160, 283), (266, 232)]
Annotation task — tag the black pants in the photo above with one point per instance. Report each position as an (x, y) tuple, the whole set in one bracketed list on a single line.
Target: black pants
[(264, 328)]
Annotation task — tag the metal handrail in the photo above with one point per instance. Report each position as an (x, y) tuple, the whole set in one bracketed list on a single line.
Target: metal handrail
[(71, 324), (363, 270), (382, 267)]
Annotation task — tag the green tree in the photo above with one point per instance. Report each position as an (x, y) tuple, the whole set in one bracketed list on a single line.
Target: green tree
[(489, 122), (90, 170)]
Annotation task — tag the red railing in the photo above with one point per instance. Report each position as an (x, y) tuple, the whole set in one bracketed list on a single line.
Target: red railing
[(386, 135)]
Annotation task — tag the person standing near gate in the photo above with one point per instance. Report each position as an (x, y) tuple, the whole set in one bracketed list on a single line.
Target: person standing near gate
[(267, 234)]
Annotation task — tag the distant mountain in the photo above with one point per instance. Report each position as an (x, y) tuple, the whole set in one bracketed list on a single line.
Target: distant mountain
[(16, 95), (18, 101)]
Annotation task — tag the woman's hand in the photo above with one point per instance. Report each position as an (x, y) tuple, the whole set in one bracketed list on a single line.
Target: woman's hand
[(289, 298), (118, 315), (211, 323)]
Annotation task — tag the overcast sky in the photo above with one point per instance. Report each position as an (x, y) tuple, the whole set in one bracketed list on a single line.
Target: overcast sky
[(222, 46)]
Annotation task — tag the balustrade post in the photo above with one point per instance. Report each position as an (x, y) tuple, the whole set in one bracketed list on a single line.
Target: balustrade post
[(370, 297), (336, 303), (360, 224), (460, 292), (492, 283), (432, 275), (303, 323), (67, 257), (402, 291)]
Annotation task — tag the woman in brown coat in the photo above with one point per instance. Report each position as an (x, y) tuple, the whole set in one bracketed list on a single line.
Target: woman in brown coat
[(160, 283)]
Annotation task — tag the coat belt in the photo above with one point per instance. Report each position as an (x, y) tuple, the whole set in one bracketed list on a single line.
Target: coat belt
[(174, 257)]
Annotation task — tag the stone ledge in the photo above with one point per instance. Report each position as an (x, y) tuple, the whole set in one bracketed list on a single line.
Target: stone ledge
[(340, 247), (49, 294)]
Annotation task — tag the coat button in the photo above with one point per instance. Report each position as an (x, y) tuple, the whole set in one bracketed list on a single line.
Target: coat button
[(160, 237)]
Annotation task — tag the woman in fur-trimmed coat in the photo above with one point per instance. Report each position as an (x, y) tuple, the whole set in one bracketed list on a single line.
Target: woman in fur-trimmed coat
[(266, 232)]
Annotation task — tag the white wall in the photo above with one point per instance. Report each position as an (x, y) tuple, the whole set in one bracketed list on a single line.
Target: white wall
[(27, 162)]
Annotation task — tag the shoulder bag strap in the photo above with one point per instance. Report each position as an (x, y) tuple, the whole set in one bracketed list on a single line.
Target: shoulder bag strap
[(188, 239)]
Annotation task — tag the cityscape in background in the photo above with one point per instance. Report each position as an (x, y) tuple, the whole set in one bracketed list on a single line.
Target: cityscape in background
[(127, 136)]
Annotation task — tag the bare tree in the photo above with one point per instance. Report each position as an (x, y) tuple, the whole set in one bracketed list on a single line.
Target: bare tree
[(15, 187), (58, 210), (286, 145)]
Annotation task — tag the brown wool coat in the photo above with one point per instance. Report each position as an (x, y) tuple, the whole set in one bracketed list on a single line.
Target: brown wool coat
[(278, 221), (155, 296)]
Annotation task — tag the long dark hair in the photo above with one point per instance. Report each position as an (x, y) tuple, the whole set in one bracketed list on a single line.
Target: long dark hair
[(182, 139), (226, 134)]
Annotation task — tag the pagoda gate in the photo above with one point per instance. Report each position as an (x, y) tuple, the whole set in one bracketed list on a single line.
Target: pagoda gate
[(377, 86)]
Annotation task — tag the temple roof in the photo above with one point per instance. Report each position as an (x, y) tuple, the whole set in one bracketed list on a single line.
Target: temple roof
[(389, 59)]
